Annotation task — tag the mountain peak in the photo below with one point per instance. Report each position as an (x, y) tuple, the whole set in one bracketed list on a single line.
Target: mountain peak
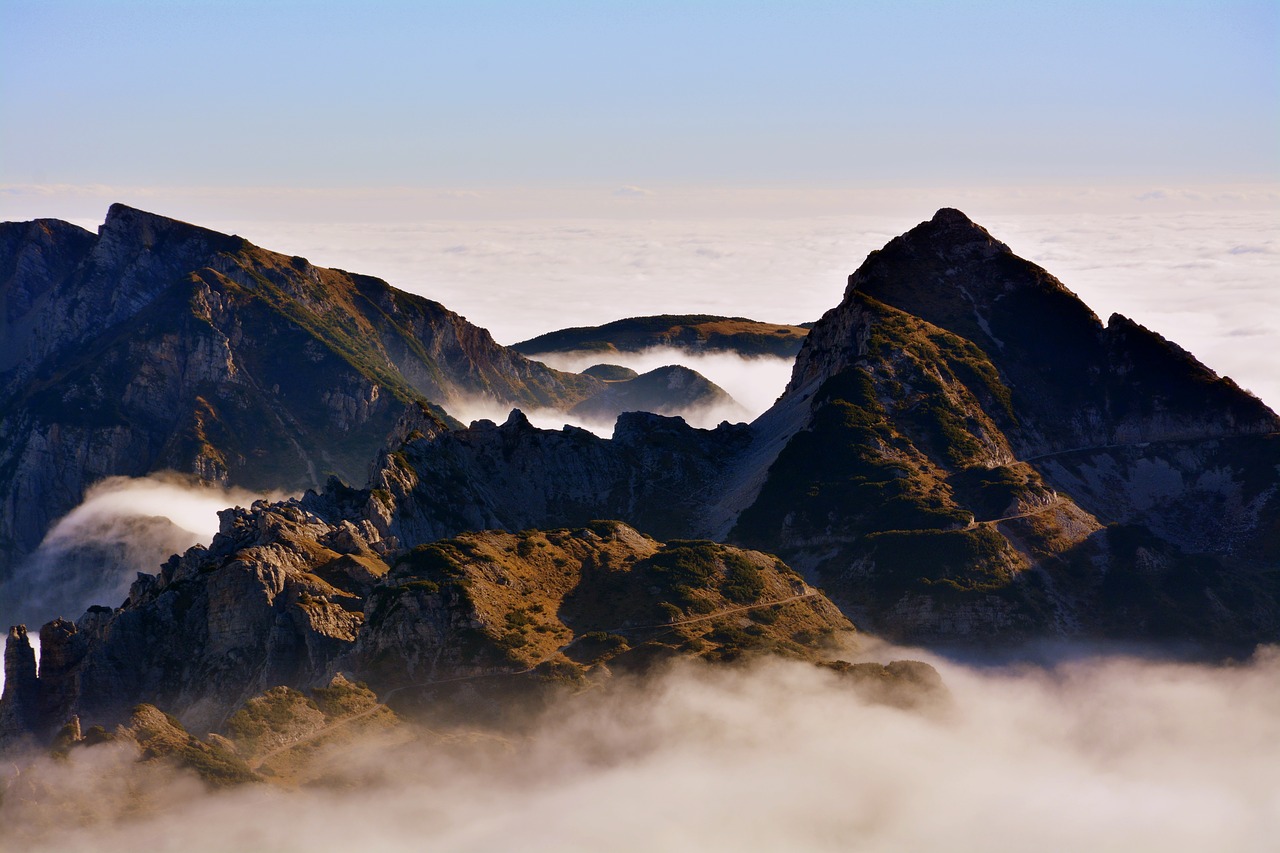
[(128, 225), (951, 216), (952, 232)]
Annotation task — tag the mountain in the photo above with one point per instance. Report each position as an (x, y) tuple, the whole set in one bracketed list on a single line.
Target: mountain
[(672, 390), (156, 344), (982, 456), (694, 332), (964, 453)]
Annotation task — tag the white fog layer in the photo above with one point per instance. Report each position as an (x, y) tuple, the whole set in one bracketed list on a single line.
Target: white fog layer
[(1205, 279), (1101, 754), (754, 383), (125, 525)]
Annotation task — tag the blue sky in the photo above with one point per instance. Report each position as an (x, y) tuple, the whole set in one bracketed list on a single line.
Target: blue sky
[(482, 94)]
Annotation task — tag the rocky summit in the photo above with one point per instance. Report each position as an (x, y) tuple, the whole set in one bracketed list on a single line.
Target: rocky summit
[(965, 455)]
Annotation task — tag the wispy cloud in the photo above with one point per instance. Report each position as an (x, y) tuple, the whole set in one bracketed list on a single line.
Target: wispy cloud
[(125, 525)]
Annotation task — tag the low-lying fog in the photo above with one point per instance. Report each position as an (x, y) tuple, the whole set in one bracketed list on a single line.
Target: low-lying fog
[(1104, 753), (93, 553), (755, 382)]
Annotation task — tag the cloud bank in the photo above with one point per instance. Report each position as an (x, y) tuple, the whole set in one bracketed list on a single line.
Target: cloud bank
[(1205, 279), (1198, 265), (1093, 753), (755, 383), (124, 526)]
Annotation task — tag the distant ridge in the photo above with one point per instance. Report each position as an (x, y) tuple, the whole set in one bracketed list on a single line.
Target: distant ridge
[(158, 344), (692, 332)]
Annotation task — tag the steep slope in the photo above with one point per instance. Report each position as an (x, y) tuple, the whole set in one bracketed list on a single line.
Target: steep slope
[(693, 332), (981, 456)]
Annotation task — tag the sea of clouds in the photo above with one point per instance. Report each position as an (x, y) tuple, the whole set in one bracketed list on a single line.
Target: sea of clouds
[(1198, 265), (1205, 279), (1091, 752)]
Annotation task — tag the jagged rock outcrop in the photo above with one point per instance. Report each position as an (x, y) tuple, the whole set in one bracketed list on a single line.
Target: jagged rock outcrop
[(292, 593), (699, 333), (20, 701), (656, 473)]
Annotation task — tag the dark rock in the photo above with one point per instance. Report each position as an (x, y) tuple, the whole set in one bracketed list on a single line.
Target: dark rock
[(20, 702), (611, 372)]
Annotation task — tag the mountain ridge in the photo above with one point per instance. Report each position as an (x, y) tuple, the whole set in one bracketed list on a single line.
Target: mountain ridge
[(159, 344)]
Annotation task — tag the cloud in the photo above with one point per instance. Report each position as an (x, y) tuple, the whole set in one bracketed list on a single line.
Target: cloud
[(755, 383), (124, 526), (1094, 752), (478, 408), (632, 192), (1176, 271)]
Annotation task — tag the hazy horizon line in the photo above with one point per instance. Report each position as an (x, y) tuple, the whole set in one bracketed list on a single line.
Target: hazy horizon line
[(600, 200)]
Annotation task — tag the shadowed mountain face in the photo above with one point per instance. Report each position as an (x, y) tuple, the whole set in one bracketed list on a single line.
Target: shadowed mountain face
[(981, 455), (965, 453), (160, 345)]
